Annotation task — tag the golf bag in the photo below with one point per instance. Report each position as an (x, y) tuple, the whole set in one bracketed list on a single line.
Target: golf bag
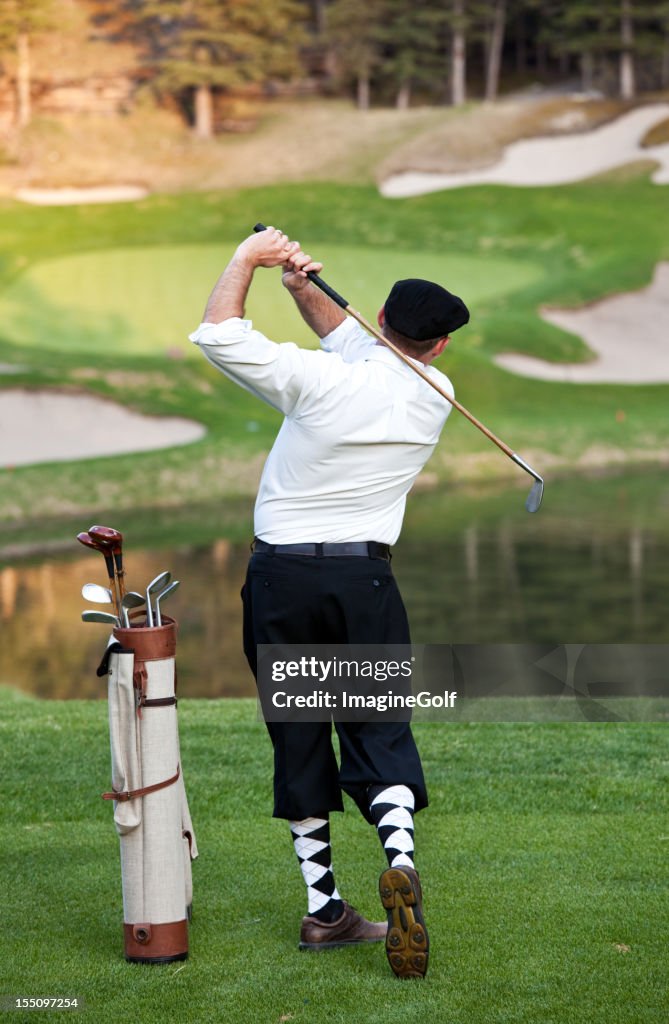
[(150, 806)]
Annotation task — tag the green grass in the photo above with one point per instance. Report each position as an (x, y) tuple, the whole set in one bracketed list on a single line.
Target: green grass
[(543, 855), (507, 250), (147, 299)]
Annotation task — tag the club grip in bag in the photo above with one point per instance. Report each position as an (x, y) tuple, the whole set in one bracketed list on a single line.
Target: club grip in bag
[(318, 281)]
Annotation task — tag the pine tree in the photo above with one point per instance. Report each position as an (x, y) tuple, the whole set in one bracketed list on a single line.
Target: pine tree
[(19, 21), (411, 36), (495, 44), (458, 53), (194, 47), (354, 30)]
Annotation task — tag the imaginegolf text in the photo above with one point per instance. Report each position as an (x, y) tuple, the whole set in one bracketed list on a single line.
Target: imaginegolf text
[(375, 701)]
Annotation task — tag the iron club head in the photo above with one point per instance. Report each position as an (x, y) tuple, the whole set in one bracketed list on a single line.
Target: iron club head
[(159, 583), (534, 497), (536, 494), (91, 616), (97, 594), (161, 596), (130, 600)]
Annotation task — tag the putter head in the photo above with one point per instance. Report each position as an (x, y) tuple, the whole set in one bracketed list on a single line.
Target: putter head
[(534, 497)]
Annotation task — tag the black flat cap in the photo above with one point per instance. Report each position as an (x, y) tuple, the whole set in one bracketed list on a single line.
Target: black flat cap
[(422, 310)]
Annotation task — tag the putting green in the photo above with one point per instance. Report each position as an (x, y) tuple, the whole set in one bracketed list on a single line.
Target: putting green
[(147, 300)]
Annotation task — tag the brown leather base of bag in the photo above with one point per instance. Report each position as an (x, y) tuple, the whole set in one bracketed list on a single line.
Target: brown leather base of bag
[(156, 943)]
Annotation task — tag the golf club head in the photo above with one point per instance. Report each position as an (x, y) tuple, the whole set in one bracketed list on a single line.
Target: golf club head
[(94, 545), (534, 497), (88, 542), (163, 594), (96, 594), (159, 583), (106, 536), (130, 600), (106, 617), (111, 542)]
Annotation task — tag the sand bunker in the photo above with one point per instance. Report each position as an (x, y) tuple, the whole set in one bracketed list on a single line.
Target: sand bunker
[(554, 161), (629, 333), (76, 196), (41, 426)]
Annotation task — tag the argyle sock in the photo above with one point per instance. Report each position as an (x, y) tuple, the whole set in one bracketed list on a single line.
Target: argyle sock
[(312, 846), (391, 808)]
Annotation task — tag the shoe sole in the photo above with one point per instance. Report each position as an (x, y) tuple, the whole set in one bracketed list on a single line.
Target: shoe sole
[(407, 943)]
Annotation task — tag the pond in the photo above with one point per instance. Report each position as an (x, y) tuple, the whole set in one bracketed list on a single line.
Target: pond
[(591, 567)]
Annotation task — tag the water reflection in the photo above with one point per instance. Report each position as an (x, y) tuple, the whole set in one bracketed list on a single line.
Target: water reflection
[(500, 579)]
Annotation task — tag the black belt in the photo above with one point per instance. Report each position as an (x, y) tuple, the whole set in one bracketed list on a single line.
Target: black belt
[(362, 548)]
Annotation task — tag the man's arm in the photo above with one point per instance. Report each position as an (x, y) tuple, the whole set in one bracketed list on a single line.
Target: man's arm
[(316, 309), (269, 248), (276, 373), (336, 331)]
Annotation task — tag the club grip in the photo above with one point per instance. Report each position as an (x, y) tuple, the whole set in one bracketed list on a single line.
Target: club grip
[(315, 279)]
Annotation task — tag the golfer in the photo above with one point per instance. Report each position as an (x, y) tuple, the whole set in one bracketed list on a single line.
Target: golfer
[(358, 428)]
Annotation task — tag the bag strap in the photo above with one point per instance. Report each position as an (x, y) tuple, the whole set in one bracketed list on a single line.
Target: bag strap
[(133, 793)]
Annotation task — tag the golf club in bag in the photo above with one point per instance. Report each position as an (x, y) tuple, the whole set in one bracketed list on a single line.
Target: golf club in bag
[(150, 806), (533, 500)]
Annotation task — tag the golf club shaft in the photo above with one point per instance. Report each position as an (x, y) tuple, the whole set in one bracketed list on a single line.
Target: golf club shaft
[(346, 306)]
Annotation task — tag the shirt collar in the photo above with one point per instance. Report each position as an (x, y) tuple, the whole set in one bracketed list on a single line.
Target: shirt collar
[(385, 355)]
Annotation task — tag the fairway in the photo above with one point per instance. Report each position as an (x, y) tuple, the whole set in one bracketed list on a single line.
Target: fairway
[(542, 854), (147, 299)]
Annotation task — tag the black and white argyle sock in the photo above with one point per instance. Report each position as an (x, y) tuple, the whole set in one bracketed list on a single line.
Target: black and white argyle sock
[(391, 808), (312, 846)]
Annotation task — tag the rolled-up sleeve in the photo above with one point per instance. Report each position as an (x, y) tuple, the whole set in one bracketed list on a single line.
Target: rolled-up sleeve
[(275, 373), (349, 340)]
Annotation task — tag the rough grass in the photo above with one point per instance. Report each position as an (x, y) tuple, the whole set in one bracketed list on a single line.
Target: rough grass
[(658, 134), (312, 140), (300, 140), (542, 856)]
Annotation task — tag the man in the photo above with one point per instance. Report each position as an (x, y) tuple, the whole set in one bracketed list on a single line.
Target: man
[(359, 426)]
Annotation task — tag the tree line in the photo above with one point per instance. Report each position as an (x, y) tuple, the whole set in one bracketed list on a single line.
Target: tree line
[(379, 51)]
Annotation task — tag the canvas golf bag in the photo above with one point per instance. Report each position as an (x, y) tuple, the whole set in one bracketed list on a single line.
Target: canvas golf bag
[(149, 798)]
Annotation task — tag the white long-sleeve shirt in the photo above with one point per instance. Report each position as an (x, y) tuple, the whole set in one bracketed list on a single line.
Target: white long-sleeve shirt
[(359, 426)]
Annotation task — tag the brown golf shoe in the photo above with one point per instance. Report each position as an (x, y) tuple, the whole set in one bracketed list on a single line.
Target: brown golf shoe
[(350, 929), (407, 943)]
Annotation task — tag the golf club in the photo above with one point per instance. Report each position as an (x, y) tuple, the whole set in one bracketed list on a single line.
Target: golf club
[(89, 542), (159, 583), (91, 616), (96, 594), (130, 600), (533, 500), (112, 540), (161, 597)]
